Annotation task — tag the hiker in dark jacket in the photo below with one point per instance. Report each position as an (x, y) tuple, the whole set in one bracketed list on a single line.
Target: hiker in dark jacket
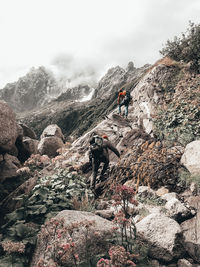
[(99, 153)]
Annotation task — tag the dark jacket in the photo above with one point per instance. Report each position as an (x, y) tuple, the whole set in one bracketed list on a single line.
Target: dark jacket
[(107, 145), (104, 153)]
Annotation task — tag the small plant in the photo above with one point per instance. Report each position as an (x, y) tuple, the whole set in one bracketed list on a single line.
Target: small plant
[(124, 196), (83, 203), (13, 248), (119, 257), (37, 162)]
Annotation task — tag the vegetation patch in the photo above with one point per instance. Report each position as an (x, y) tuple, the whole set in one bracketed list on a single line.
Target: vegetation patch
[(50, 195), (178, 119)]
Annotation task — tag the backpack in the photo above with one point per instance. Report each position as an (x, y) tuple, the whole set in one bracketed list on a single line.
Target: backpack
[(96, 145), (127, 97)]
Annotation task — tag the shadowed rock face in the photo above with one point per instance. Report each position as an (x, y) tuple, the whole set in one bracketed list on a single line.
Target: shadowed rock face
[(8, 128)]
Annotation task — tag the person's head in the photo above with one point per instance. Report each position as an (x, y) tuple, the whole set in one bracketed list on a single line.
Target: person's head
[(120, 90)]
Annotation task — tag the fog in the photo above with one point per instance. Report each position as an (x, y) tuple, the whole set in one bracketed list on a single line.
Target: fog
[(81, 39)]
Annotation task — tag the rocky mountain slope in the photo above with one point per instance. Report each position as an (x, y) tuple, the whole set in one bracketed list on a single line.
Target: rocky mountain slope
[(159, 167), (76, 117)]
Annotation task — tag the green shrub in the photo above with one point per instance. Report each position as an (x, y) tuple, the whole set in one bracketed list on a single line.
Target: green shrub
[(186, 47)]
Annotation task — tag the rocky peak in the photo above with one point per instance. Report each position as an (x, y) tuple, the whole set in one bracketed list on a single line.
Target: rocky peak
[(29, 91), (117, 77), (130, 67)]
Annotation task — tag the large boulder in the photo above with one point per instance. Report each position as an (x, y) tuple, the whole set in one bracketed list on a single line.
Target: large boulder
[(49, 146), (191, 230), (163, 235), (101, 228), (52, 130), (8, 128), (191, 157)]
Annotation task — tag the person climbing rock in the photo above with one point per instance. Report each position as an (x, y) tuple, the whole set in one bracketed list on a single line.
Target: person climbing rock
[(124, 99), (98, 154), (121, 95)]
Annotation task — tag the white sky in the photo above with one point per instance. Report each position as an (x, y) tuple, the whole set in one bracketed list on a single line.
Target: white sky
[(78, 35)]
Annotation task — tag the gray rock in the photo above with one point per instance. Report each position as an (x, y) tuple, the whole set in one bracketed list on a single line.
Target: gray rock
[(28, 132), (107, 214), (169, 196), (191, 230), (177, 210), (49, 146), (184, 263), (163, 235), (101, 226), (145, 191), (191, 157), (30, 145), (155, 263), (9, 167), (52, 130), (8, 128)]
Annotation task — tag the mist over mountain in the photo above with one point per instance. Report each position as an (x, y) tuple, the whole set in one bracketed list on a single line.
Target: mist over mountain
[(64, 80), (74, 72)]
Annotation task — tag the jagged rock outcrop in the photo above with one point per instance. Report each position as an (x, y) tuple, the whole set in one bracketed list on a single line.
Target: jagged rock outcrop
[(29, 91), (191, 156), (117, 77)]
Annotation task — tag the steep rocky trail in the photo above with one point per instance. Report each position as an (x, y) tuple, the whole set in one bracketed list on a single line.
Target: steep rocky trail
[(151, 164)]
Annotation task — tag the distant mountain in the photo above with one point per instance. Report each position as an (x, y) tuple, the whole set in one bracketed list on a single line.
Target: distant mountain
[(29, 91), (39, 87)]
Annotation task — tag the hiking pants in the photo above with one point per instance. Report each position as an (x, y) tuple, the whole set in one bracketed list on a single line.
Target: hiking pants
[(95, 166), (126, 109)]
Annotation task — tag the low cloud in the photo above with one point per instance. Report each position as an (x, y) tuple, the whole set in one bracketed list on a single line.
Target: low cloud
[(74, 71)]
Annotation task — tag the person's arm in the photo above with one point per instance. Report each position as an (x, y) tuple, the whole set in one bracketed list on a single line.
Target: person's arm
[(112, 148), (118, 99)]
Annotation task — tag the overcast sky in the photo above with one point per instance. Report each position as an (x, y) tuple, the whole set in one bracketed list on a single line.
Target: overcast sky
[(87, 35)]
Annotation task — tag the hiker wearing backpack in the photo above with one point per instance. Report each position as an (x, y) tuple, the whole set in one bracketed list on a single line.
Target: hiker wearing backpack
[(124, 99), (98, 154)]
